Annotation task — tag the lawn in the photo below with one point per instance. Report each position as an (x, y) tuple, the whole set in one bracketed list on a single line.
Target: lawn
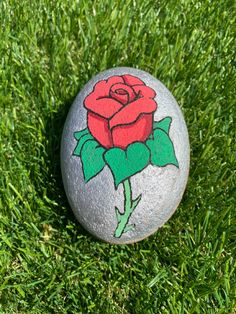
[(48, 51)]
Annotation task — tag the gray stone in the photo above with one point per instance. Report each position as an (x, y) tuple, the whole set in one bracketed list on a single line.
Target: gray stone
[(161, 187)]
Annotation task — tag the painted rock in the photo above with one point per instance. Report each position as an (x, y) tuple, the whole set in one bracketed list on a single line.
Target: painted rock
[(124, 155)]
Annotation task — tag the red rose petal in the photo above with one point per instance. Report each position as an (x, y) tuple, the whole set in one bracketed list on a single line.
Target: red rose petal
[(144, 91), (136, 132), (98, 127), (105, 107), (132, 111), (132, 80), (99, 102), (122, 93), (102, 88)]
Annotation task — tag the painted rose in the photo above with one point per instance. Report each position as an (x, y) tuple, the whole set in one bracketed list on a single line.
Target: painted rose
[(120, 111)]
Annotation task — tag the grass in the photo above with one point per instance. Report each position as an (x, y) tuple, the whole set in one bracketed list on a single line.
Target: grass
[(48, 51)]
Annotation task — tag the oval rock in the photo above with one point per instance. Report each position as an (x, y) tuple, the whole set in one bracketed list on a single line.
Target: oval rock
[(124, 155)]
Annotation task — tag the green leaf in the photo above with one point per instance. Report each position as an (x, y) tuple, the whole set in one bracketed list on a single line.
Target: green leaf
[(92, 159), (162, 149), (83, 139), (163, 124), (125, 163), (79, 134)]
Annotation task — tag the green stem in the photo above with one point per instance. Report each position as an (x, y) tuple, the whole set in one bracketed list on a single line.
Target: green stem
[(123, 219)]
